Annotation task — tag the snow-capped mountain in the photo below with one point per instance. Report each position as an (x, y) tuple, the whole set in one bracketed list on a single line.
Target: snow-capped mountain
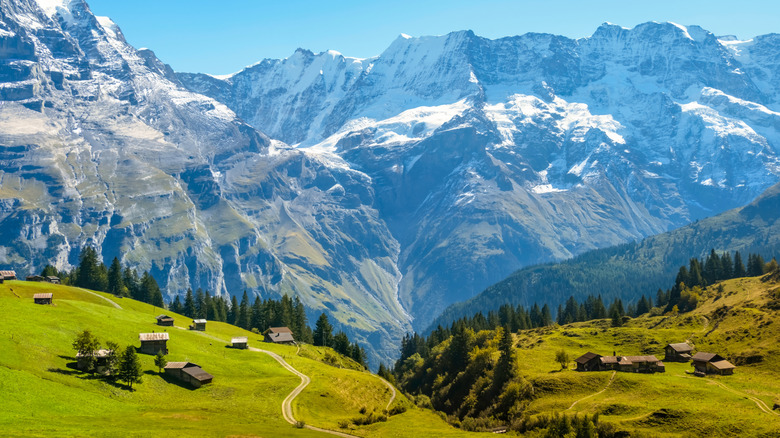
[(487, 155), (101, 145), (414, 179)]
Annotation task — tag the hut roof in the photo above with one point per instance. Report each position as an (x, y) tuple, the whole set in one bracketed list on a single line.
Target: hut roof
[(42, 296), (240, 340), (705, 357), (163, 317), (608, 359), (723, 365), (279, 330), (7, 273), (199, 321), (153, 337), (682, 347), (639, 359), (587, 357), (53, 277), (98, 353), (281, 337), (178, 365), (197, 373)]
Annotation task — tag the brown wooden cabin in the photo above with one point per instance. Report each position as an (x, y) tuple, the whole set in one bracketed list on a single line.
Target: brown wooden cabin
[(198, 324), (588, 362), (678, 352), (8, 275), (279, 338), (164, 320), (632, 364), (241, 342), (711, 363), (43, 298), (151, 343), (37, 278), (53, 279), (188, 372), (101, 363)]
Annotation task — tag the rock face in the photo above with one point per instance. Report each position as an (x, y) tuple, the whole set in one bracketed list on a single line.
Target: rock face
[(415, 179), (487, 155)]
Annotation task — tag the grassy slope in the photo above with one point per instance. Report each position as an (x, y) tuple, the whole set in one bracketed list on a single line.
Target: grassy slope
[(693, 406), (43, 396)]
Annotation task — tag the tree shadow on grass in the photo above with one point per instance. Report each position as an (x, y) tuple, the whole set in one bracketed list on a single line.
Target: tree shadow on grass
[(173, 381), (66, 372)]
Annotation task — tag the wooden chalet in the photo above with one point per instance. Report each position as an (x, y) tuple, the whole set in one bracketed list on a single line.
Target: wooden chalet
[(188, 372), (164, 320), (241, 342), (151, 343), (678, 352), (101, 363), (52, 279), (632, 364), (43, 298), (711, 363), (588, 362), (279, 338), (198, 324), (37, 278), (8, 275)]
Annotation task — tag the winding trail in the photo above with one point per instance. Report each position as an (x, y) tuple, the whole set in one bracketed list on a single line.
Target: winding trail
[(392, 390), (287, 412), (611, 378), (101, 297), (760, 403)]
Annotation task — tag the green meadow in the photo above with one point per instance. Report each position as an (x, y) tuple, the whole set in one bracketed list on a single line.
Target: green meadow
[(43, 395)]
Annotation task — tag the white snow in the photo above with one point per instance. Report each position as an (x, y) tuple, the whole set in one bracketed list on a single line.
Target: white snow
[(683, 28)]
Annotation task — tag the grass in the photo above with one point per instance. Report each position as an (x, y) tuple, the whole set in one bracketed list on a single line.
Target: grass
[(44, 396), (672, 403)]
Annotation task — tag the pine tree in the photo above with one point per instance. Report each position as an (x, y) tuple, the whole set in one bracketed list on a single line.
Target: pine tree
[(130, 280), (727, 266), (90, 274), (112, 359), (115, 284), (505, 367), (323, 331), (189, 305), (739, 267), (341, 344), (200, 304), (129, 367), (151, 291), (176, 306), (233, 311), (546, 316), (50, 271), (614, 313), (159, 361), (358, 354), (242, 319)]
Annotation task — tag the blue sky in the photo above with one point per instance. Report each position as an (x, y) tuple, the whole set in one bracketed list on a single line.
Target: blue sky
[(221, 37)]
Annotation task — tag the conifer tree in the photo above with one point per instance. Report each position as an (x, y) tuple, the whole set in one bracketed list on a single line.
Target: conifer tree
[(233, 311), (131, 282), (159, 361), (323, 331), (115, 284), (242, 319), (129, 367), (86, 345), (200, 304), (176, 306), (189, 305), (739, 267), (505, 367)]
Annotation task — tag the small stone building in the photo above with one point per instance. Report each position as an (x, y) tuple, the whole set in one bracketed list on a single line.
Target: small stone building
[(241, 342), (151, 343), (164, 320), (188, 372), (678, 352), (588, 362), (43, 298), (711, 363), (198, 324)]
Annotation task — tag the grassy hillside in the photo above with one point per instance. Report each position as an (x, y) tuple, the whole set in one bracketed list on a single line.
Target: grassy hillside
[(42, 395), (740, 323), (632, 270)]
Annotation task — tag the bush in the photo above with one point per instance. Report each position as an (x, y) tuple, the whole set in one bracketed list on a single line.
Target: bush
[(343, 424), (300, 424), (397, 409)]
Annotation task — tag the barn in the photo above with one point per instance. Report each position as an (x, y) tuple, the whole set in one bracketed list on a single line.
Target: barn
[(241, 342), (164, 320), (151, 343), (43, 298), (678, 352), (188, 372)]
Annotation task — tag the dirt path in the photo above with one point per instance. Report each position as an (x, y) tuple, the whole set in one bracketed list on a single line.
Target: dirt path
[(611, 378), (392, 391), (101, 297), (760, 403), (287, 412)]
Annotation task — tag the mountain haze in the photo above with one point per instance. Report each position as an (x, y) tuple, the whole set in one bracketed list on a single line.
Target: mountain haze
[(379, 190)]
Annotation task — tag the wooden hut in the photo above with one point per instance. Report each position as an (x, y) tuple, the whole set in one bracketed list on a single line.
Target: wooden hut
[(43, 298), (632, 364), (188, 372), (241, 342), (711, 363), (678, 352), (279, 338), (37, 278), (151, 343), (102, 357), (8, 275), (198, 324), (164, 320), (588, 362), (52, 279)]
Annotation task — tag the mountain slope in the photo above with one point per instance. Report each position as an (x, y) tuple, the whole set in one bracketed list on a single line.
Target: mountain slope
[(635, 269), (495, 154)]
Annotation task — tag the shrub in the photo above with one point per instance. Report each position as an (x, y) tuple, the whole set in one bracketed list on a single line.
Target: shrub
[(300, 424)]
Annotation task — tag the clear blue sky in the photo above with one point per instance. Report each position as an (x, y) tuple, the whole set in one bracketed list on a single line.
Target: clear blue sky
[(223, 36)]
